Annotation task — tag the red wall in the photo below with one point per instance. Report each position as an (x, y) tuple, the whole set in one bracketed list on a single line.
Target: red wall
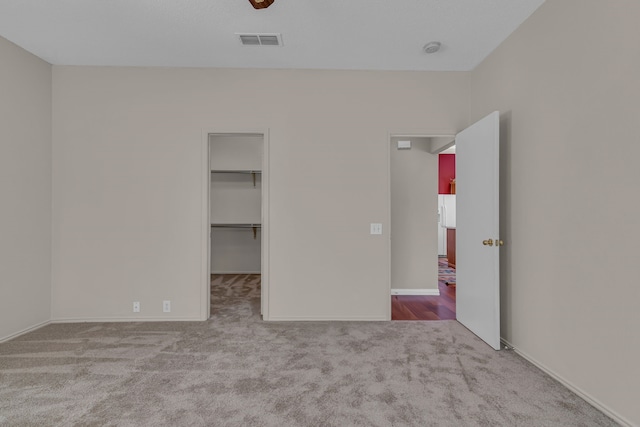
[(446, 172)]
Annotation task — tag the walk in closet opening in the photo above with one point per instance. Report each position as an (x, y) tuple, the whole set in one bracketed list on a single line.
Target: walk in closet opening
[(236, 221)]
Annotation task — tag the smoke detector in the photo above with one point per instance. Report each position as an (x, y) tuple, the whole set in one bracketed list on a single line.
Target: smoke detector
[(432, 47)]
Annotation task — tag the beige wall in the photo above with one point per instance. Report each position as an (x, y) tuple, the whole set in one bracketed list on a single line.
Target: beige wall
[(414, 215), (25, 188), (127, 182), (567, 84)]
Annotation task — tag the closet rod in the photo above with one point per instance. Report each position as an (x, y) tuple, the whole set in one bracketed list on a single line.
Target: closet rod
[(235, 171), (236, 225)]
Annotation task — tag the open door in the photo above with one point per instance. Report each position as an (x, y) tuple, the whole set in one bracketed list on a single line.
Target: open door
[(478, 231)]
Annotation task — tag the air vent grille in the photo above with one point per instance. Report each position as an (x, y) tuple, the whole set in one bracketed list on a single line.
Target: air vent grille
[(249, 40), (269, 40), (254, 39)]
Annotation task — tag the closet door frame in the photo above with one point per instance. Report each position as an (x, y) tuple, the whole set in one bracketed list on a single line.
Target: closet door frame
[(205, 294)]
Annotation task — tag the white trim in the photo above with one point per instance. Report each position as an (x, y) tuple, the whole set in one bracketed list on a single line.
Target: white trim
[(327, 319), (235, 272), (205, 294), (434, 292), (387, 151), (568, 384), (421, 134), (24, 331), (124, 319), (265, 230), (205, 230)]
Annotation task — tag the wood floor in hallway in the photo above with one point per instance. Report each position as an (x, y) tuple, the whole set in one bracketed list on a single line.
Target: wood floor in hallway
[(420, 307)]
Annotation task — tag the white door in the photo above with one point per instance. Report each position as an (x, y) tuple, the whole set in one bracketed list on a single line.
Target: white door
[(477, 231)]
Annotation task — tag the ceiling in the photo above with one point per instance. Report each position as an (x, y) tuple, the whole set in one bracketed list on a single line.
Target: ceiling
[(316, 34)]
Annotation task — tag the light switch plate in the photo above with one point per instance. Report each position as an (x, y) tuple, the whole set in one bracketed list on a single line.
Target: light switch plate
[(376, 228), (404, 145)]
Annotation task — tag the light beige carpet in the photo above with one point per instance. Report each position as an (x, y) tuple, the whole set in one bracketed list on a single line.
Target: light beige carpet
[(236, 370)]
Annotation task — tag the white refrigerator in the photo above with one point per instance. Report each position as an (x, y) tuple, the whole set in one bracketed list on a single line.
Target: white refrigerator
[(446, 219)]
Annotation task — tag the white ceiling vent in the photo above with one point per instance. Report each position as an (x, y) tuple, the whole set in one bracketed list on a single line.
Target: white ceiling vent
[(253, 39)]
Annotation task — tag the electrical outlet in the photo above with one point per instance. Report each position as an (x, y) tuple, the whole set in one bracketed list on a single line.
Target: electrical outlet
[(166, 306), (136, 306)]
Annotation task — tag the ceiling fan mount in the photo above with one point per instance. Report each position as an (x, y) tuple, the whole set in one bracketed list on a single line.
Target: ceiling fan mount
[(261, 4)]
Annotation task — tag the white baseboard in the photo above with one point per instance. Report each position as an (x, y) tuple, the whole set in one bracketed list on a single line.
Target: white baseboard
[(25, 331), (432, 292), (325, 319), (124, 319), (574, 388)]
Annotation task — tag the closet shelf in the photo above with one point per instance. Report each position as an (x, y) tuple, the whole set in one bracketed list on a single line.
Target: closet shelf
[(242, 172), (247, 171), (236, 225), (252, 226)]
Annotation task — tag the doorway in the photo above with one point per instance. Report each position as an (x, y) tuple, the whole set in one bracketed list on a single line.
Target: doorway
[(447, 216), (477, 238), (417, 291), (236, 225)]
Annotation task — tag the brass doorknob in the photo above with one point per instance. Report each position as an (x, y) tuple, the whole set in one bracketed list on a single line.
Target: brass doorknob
[(499, 243), (488, 242)]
